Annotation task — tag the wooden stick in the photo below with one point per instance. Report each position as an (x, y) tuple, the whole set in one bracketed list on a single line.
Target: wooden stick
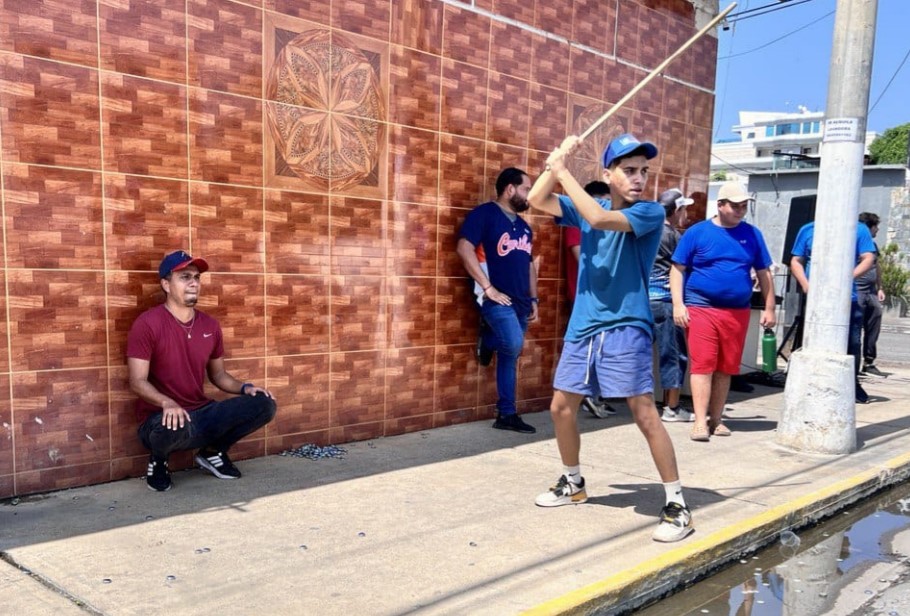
[(657, 71)]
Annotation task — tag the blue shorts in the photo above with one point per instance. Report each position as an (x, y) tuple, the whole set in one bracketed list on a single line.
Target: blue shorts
[(616, 363)]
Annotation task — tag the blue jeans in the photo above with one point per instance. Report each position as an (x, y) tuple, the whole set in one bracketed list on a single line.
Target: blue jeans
[(854, 341), (505, 334), (217, 425), (671, 346)]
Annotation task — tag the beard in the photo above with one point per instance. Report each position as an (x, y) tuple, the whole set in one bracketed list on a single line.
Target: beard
[(519, 204)]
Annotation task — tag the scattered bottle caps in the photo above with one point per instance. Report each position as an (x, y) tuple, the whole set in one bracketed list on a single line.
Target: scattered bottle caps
[(315, 452)]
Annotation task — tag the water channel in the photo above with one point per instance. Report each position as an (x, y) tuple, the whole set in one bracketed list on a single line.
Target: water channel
[(854, 563)]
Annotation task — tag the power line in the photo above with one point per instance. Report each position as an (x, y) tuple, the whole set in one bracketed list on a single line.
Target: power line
[(780, 38), (890, 81), (772, 8)]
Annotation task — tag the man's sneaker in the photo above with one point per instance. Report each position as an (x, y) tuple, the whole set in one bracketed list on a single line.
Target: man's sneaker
[(873, 370), (680, 414), (861, 396), (597, 407), (158, 477), (513, 422), (483, 353), (217, 463), (675, 524), (563, 493)]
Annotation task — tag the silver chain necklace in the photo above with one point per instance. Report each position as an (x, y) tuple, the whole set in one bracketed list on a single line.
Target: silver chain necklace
[(187, 328)]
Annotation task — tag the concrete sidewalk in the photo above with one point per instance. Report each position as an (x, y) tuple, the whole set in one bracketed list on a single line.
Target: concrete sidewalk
[(438, 522)]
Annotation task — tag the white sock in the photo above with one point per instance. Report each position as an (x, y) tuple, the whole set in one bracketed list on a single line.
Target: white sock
[(573, 473), (674, 492)]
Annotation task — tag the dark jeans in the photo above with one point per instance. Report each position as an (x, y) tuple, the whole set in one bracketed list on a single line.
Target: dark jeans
[(671, 346), (872, 325), (854, 346), (217, 425), (505, 335)]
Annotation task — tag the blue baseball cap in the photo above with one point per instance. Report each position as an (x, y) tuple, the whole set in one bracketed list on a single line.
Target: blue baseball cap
[(626, 144), (177, 261)]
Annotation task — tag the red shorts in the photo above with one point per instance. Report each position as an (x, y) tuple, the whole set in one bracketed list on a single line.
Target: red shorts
[(716, 337)]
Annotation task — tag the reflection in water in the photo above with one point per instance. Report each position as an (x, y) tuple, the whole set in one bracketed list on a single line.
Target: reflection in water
[(811, 572)]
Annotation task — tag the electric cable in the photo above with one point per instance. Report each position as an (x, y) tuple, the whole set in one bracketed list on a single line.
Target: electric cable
[(769, 43), (890, 81)]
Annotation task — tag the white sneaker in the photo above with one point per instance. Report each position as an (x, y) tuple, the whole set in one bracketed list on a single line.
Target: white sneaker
[(678, 414), (563, 493), (675, 524)]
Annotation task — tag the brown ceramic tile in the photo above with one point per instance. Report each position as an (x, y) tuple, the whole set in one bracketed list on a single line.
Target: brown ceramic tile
[(705, 62), (519, 10), (451, 418), (49, 113), (247, 370), (62, 31), (144, 125), (652, 38), (546, 327), (225, 138), (547, 245), (414, 89), (358, 388), (225, 46), (554, 16), (297, 233), (6, 427), (357, 236), (301, 387), (673, 148), (146, 218), (359, 432), (129, 294), (53, 218), (418, 24), (547, 118), (406, 425), (124, 424), (678, 32), (650, 99), (449, 226), (619, 78), (550, 62), (129, 467), (413, 161), (699, 152), (61, 419), (461, 165), (536, 368), (409, 383), (628, 28), (4, 327), (284, 442), (227, 223), (456, 377), (412, 312), (144, 38), (511, 53), (464, 99), (498, 157), (486, 5), (646, 126), (367, 17), (297, 315), (466, 36), (237, 301), (411, 230), (313, 10), (56, 319), (507, 118), (457, 312), (358, 313), (675, 105), (359, 164), (701, 108), (586, 73), (49, 480), (594, 23)]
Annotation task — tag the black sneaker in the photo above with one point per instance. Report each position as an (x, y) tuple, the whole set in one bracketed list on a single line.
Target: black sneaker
[(873, 370), (861, 396), (217, 463), (158, 477), (484, 353), (514, 423)]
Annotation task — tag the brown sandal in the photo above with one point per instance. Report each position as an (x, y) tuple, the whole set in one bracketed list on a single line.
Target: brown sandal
[(699, 433), (720, 430)]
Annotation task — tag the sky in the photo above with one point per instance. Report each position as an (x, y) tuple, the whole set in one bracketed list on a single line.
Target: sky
[(794, 70)]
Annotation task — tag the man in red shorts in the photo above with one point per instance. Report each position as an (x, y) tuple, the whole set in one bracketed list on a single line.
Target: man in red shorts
[(711, 287)]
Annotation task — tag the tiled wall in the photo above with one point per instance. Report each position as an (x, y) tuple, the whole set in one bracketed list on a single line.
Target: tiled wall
[(321, 155)]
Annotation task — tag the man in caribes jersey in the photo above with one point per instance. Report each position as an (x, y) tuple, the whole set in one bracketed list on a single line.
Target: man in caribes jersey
[(495, 248), (170, 350)]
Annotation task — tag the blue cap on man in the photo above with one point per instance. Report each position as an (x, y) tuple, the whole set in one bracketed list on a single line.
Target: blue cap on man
[(626, 144), (177, 261)]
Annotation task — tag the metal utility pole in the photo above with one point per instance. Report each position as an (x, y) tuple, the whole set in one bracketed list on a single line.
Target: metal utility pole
[(819, 413)]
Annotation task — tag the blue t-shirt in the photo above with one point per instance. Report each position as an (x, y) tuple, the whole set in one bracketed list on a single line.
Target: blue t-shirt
[(506, 248), (613, 269), (719, 262), (802, 246)]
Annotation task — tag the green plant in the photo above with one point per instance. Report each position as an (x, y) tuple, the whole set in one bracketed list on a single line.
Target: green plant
[(890, 148), (895, 277), (719, 176)]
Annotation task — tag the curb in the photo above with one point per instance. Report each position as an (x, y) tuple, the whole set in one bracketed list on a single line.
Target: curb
[(635, 587)]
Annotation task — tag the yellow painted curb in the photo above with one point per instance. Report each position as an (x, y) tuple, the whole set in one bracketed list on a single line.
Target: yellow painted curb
[(727, 543)]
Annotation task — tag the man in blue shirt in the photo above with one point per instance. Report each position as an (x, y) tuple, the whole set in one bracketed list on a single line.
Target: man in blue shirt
[(800, 263), (495, 248), (607, 347)]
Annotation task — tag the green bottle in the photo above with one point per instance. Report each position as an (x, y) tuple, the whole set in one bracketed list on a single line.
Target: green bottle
[(769, 351)]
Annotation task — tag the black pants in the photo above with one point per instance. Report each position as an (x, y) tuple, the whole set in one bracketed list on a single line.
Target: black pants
[(872, 325), (217, 425)]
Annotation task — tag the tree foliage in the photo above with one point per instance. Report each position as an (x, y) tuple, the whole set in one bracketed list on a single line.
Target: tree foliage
[(890, 148), (895, 277)]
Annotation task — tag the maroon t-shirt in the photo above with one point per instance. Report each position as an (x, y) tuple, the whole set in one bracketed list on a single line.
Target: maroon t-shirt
[(177, 363)]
